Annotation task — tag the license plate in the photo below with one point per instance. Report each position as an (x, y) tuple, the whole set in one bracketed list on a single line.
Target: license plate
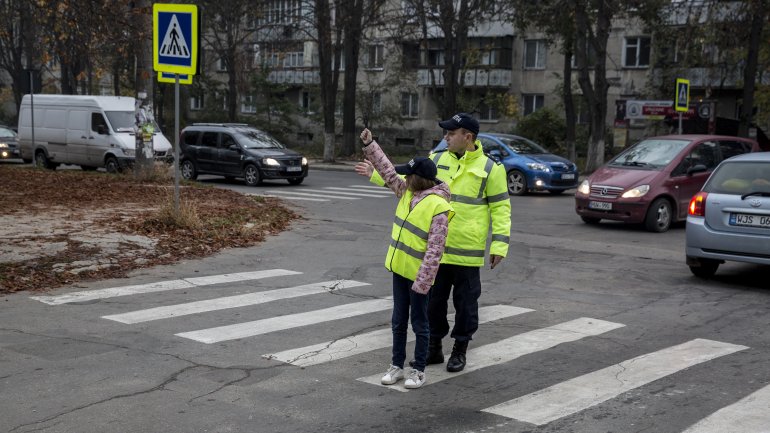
[(742, 219), (568, 176), (293, 168), (601, 205)]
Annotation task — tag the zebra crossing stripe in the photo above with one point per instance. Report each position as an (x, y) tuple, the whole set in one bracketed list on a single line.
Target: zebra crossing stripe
[(293, 198), (161, 286), (748, 415), (280, 323), (566, 398), (290, 194), (334, 190), (373, 188), (378, 194), (381, 338), (231, 301), (512, 348)]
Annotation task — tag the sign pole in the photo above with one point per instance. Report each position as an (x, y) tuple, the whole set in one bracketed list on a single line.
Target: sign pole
[(176, 144), (680, 123), (32, 104)]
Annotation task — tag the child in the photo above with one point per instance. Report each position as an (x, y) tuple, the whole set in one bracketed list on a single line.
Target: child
[(417, 244)]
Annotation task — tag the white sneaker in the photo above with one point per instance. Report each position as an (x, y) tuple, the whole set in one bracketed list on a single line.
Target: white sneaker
[(393, 375), (415, 379)]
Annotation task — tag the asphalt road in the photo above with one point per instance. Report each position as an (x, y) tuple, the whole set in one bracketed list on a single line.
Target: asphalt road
[(586, 329)]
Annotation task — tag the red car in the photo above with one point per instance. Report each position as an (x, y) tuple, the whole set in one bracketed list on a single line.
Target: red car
[(653, 181)]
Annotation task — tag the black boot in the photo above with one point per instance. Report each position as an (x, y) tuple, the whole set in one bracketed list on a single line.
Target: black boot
[(457, 359), (435, 353)]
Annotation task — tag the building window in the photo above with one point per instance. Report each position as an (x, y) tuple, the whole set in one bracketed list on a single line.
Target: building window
[(534, 54), (375, 53), (256, 56), (221, 65), (196, 103), (294, 60), (532, 103), (304, 102), (282, 12), (409, 104), (636, 53), (247, 104), (435, 57), (488, 112)]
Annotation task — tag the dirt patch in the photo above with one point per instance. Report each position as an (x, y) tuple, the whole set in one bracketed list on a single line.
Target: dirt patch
[(67, 226)]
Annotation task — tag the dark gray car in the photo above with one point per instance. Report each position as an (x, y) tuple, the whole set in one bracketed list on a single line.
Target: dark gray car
[(729, 219), (9, 144), (236, 150)]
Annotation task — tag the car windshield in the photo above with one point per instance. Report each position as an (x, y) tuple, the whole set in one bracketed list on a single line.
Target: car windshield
[(6, 133), (740, 178), (652, 154), (521, 145), (256, 139), (122, 120)]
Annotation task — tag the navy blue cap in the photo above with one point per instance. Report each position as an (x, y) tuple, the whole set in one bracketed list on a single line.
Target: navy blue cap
[(421, 166), (461, 120)]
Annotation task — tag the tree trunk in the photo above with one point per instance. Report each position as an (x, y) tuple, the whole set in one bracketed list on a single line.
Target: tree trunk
[(750, 72), (329, 74), (352, 48), (569, 106)]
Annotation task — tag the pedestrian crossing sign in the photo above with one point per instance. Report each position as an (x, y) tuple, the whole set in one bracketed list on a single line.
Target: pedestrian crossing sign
[(175, 38), (168, 77), (682, 94)]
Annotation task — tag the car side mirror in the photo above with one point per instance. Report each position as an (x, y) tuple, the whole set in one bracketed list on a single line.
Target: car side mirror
[(697, 168), (234, 147), (495, 154), (101, 129)]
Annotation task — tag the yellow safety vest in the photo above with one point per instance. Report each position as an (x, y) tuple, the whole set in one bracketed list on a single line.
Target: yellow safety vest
[(479, 198), (409, 236)]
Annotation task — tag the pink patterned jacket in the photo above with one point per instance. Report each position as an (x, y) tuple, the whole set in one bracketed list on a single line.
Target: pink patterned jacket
[(438, 227)]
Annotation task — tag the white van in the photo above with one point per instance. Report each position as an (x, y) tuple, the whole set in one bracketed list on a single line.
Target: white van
[(89, 131)]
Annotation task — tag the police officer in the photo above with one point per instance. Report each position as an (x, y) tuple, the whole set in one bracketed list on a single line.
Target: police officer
[(480, 200)]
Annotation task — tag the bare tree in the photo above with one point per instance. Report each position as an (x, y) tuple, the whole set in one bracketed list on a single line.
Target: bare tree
[(18, 47)]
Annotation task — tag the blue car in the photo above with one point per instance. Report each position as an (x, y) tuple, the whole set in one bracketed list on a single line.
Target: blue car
[(529, 166)]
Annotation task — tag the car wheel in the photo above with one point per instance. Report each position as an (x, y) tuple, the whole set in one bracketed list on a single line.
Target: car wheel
[(556, 191), (590, 220), (517, 183), (111, 165), (42, 161), (188, 171), (252, 175), (706, 269), (296, 181), (659, 216)]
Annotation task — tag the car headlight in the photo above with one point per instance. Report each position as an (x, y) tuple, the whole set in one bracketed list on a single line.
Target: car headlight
[(636, 192), (129, 152), (3, 145), (585, 187), (304, 161), (270, 161), (539, 167)]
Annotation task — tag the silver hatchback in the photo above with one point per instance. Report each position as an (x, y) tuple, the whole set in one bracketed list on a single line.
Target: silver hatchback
[(729, 219)]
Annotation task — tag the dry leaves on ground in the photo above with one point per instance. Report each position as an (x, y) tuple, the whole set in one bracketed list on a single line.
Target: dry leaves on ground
[(67, 226)]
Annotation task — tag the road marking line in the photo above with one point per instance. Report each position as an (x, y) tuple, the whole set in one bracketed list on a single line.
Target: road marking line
[(161, 286), (231, 302), (374, 188), (580, 393), (381, 338), (378, 194), (747, 415), (309, 195), (512, 348), (293, 198), (280, 323)]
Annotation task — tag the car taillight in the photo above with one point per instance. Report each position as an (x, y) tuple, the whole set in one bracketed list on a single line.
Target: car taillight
[(698, 204)]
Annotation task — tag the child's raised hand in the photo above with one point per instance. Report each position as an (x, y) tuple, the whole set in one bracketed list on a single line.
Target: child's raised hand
[(366, 136)]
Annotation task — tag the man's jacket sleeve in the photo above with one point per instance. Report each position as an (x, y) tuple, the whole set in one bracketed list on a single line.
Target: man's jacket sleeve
[(500, 210)]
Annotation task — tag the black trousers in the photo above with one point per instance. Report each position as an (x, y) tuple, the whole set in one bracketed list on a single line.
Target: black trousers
[(464, 283)]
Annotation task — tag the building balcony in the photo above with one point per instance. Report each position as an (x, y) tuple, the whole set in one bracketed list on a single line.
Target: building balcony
[(714, 77), (295, 76), (472, 77)]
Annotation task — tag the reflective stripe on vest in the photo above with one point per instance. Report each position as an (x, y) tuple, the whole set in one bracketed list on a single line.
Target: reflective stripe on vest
[(409, 235)]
